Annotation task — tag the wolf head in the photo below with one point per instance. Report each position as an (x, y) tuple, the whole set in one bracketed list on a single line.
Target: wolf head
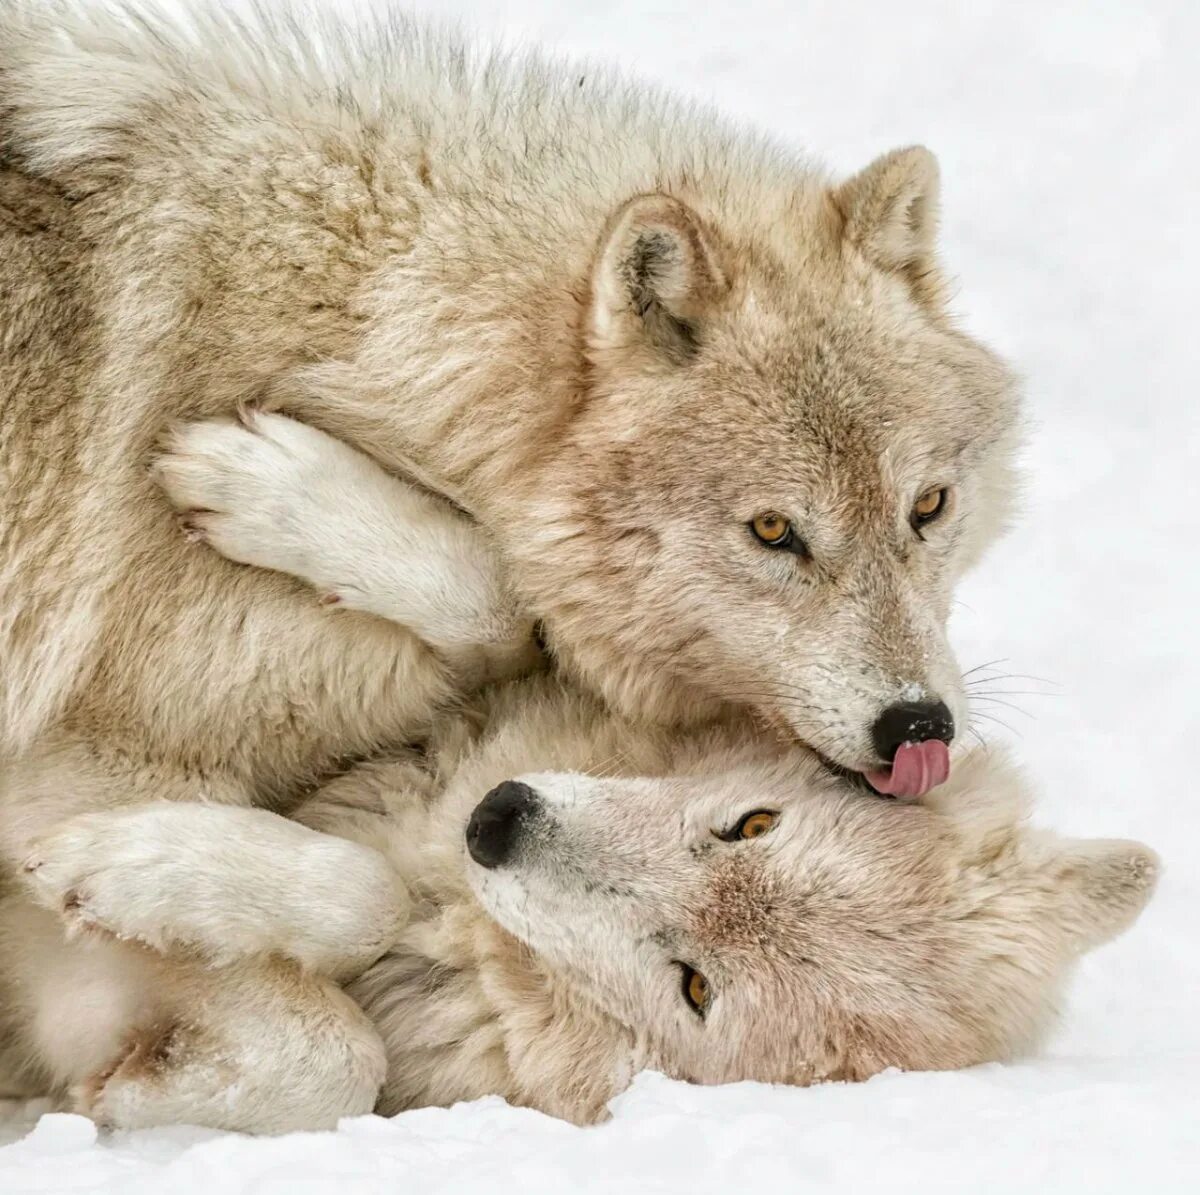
[(786, 457), (795, 935)]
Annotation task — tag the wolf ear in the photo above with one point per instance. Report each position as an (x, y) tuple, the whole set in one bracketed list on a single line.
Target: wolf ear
[(655, 277), (890, 211), (1097, 887)]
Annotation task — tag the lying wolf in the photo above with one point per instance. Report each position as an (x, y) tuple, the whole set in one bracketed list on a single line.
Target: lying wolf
[(705, 903), (709, 407)]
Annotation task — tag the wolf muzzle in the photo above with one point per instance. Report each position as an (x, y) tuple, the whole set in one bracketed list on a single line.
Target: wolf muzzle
[(495, 826)]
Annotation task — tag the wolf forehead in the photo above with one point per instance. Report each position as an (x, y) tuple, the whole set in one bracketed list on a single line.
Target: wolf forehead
[(746, 906), (791, 908), (812, 410)]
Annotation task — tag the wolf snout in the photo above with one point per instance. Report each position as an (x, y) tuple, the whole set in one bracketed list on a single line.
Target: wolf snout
[(913, 738), (495, 826), (911, 722)]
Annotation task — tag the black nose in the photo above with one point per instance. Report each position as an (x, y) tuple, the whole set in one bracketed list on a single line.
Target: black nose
[(911, 722), (495, 826)]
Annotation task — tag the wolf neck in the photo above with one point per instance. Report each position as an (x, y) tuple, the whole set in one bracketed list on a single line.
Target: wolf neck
[(465, 397)]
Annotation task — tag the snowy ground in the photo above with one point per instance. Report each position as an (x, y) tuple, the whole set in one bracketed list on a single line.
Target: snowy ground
[(1070, 184)]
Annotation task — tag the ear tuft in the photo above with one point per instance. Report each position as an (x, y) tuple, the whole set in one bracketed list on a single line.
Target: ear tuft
[(655, 278), (891, 214)]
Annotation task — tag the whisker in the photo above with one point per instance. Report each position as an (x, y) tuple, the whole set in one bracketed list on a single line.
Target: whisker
[(1000, 676), (998, 721), (784, 698), (1011, 693), (604, 769), (981, 667), (1012, 705)]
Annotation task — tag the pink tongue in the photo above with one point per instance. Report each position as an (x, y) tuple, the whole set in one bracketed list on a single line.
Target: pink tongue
[(917, 768)]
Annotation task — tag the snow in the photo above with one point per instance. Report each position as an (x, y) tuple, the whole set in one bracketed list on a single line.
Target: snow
[(1070, 177), (1058, 1126)]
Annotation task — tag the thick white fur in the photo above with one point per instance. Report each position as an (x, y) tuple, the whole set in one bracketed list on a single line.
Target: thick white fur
[(195, 951), (227, 883), (611, 327), (135, 1038), (273, 492), (585, 313)]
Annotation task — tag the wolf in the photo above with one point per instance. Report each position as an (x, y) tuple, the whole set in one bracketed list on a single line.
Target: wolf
[(546, 900), (709, 405)]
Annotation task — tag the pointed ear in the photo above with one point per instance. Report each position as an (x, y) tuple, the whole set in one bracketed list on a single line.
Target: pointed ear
[(891, 211), (656, 275), (1098, 886)]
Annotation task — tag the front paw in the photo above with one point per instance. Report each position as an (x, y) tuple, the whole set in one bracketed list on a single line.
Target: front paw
[(250, 488), (99, 881), (107, 1095), (70, 874)]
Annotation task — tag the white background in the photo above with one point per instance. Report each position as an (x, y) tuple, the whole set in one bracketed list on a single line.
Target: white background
[(1068, 140)]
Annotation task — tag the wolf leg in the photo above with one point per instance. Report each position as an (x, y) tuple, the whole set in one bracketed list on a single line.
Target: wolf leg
[(259, 1047), (134, 1038), (273, 492), (222, 881)]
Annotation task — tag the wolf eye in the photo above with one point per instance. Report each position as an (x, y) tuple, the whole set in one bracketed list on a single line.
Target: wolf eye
[(695, 989), (928, 506), (753, 825), (772, 530)]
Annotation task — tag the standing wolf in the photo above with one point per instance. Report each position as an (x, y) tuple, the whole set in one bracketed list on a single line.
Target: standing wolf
[(710, 408)]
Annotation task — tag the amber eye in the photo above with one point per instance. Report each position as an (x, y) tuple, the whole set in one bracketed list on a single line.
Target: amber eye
[(695, 989), (772, 529), (929, 505), (755, 825)]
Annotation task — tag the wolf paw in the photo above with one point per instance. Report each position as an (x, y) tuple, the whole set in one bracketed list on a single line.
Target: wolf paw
[(135, 1089), (271, 492), (81, 922), (255, 489), (99, 885), (224, 883)]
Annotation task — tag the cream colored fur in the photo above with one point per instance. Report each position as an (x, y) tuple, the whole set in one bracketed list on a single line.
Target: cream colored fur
[(611, 328), (858, 934)]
